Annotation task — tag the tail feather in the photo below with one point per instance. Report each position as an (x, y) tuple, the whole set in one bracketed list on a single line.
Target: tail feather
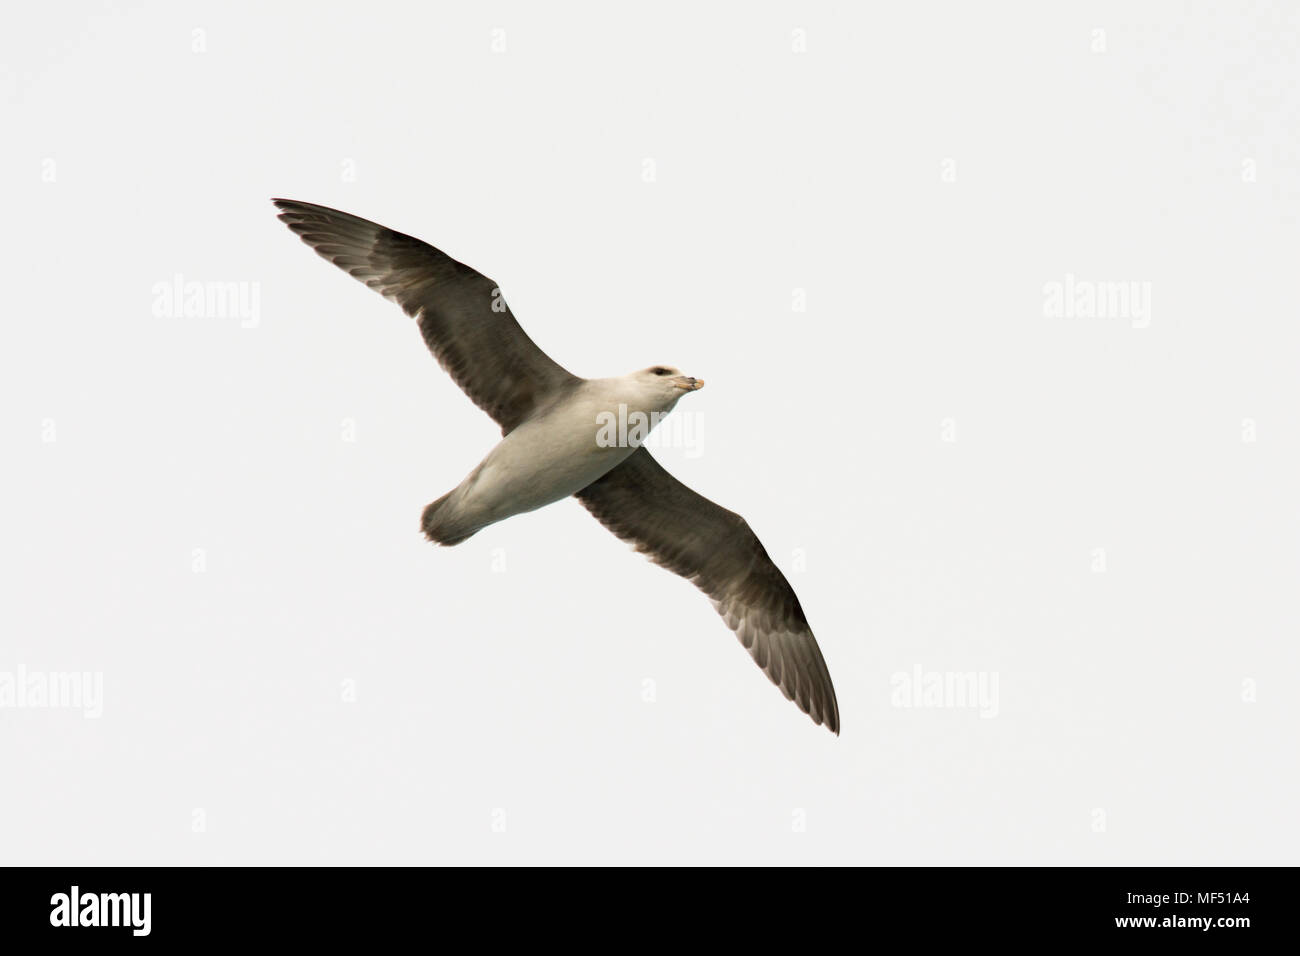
[(443, 525)]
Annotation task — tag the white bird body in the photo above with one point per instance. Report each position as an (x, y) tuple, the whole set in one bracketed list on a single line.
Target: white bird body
[(554, 454)]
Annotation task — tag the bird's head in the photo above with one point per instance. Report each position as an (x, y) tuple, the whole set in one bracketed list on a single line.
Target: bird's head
[(663, 385)]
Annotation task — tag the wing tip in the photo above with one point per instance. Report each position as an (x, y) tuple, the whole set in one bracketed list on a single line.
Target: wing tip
[(828, 718), (290, 208), (291, 212)]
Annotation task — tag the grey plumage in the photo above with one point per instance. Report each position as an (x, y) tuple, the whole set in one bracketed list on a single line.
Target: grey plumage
[(549, 450), (715, 549), (462, 315)]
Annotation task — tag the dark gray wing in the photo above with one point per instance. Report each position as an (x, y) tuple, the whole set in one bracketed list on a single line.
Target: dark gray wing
[(715, 549), (461, 314)]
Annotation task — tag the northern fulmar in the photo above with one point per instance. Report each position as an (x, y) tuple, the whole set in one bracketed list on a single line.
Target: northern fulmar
[(552, 446)]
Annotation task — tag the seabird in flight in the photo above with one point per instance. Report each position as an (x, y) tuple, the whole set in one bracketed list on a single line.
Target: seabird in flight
[(552, 446)]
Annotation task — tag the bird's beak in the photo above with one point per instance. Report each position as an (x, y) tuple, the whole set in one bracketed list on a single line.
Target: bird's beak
[(687, 383)]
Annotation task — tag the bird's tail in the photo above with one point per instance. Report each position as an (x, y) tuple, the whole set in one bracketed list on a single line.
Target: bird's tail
[(445, 524)]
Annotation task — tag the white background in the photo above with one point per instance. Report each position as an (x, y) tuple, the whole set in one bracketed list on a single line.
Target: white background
[(183, 515)]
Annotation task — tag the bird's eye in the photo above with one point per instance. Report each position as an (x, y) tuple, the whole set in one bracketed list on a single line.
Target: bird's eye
[(660, 370)]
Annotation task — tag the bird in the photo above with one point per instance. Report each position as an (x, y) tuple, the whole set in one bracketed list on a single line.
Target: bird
[(552, 448)]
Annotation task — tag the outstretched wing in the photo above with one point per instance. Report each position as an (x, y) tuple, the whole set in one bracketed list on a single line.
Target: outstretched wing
[(461, 313), (715, 550)]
